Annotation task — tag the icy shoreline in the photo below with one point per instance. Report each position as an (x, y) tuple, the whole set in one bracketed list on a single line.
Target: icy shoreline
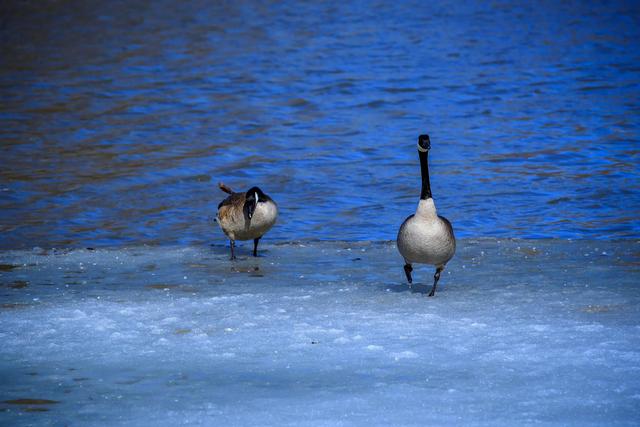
[(322, 333)]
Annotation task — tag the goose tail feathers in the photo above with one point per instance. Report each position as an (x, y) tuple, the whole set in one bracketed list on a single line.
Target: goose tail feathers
[(225, 188)]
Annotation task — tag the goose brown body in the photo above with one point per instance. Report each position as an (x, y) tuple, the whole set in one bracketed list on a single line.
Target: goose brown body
[(426, 237), (246, 216)]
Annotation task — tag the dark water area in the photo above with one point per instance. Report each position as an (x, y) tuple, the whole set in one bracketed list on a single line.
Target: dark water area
[(118, 119)]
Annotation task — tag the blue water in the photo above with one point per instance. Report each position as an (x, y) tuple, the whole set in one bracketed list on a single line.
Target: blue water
[(117, 120)]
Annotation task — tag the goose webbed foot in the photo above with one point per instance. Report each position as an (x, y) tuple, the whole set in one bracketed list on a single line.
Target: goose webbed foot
[(407, 271), (436, 277)]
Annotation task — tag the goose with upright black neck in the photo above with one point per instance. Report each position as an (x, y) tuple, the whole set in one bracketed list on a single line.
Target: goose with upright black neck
[(426, 237)]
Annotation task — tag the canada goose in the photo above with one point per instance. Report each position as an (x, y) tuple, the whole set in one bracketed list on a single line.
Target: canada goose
[(425, 237), (245, 216)]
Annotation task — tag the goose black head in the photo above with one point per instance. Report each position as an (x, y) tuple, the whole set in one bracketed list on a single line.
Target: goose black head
[(424, 143), (252, 198)]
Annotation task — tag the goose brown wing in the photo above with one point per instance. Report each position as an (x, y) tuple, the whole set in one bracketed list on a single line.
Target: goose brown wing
[(447, 223), (234, 199), (405, 221)]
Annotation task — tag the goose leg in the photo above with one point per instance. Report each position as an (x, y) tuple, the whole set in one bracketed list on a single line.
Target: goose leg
[(233, 244), (255, 246), (407, 271), (436, 277)]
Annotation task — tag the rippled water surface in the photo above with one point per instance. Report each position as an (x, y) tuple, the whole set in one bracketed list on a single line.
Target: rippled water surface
[(117, 120)]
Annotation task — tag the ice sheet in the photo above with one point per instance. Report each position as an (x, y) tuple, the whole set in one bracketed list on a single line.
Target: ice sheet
[(521, 332)]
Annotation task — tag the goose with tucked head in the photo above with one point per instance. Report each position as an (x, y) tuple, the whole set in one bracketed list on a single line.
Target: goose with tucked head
[(426, 237), (246, 216)]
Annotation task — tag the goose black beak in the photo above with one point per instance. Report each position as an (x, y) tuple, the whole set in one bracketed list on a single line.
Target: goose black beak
[(424, 143)]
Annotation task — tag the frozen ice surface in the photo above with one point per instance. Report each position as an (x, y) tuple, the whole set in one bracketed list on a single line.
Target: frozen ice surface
[(521, 332)]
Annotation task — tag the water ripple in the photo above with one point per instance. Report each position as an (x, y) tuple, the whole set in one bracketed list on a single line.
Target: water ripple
[(119, 119)]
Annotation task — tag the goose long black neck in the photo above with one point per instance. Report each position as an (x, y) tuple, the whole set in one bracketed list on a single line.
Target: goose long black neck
[(424, 170)]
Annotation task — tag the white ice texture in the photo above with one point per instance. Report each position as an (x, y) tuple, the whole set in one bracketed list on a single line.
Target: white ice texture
[(542, 332)]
